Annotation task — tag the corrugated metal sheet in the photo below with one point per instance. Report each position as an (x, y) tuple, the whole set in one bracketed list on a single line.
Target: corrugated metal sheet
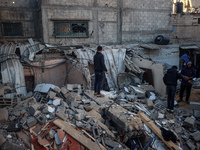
[(11, 68)]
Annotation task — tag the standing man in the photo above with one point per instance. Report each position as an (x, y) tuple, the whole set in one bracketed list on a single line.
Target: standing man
[(170, 79), (99, 68), (189, 73)]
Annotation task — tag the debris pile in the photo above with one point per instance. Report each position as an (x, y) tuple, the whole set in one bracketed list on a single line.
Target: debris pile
[(132, 115)]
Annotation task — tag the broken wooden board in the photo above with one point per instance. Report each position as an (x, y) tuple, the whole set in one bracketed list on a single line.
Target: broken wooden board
[(157, 131), (76, 135)]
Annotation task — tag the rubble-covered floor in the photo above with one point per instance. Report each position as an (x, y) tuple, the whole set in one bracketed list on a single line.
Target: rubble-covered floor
[(63, 113), (69, 117)]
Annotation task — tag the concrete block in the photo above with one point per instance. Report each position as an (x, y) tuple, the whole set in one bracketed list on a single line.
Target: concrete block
[(70, 87), (74, 104), (95, 132), (33, 108), (191, 145), (149, 104), (196, 136), (139, 92), (60, 112), (73, 97), (64, 90), (51, 94), (189, 122), (195, 105), (41, 118), (31, 121), (57, 89), (130, 97), (4, 115), (56, 101)]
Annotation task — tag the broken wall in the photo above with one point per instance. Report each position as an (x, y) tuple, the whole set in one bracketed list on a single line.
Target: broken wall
[(186, 28), (109, 21), (157, 73), (166, 54), (20, 11)]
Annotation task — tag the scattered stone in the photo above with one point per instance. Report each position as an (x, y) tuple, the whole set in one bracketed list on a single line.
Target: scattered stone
[(56, 101), (33, 108), (64, 90), (70, 87), (154, 114), (189, 122), (51, 94), (191, 145), (196, 136)]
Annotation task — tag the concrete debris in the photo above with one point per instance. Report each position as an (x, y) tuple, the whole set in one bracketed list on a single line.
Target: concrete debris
[(70, 116)]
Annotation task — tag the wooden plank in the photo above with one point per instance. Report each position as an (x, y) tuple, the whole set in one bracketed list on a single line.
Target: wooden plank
[(76, 135), (157, 131)]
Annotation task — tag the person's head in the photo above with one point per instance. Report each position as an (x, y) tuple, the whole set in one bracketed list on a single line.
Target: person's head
[(175, 67), (189, 64), (99, 49)]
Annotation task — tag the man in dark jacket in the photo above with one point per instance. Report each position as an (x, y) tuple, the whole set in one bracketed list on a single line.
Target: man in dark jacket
[(170, 79), (189, 73), (99, 68)]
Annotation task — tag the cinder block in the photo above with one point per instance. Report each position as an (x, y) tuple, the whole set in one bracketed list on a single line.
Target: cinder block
[(31, 121), (189, 122)]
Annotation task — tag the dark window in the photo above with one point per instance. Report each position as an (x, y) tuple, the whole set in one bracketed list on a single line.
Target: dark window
[(198, 20), (12, 29), (71, 29)]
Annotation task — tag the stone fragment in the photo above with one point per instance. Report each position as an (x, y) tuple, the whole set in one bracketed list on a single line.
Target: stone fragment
[(4, 115), (74, 104), (51, 134), (33, 108), (51, 94), (64, 90), (154, 114), (73, 97), (130, 97), (189, 122), (31, 121), (191, 145), (56, 101), (139, 92), (196, 136), (60, 112), (57, 89), (70, 87)]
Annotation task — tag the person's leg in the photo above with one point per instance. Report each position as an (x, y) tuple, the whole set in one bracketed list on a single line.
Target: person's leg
[(168, 97), (96, 83), (181, 93), (173, 91), (100, 80), (188, 90)]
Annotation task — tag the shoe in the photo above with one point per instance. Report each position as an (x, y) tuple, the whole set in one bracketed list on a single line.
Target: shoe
[(171, 110), (168, 109), (187, 102), (100, 95), (180, 100), (95, 93)]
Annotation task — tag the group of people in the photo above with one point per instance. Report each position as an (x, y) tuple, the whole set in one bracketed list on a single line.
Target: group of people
[(170, 79)]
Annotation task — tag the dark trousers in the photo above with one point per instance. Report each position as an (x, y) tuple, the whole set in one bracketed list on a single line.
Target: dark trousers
[(98, 82), (188, 90), (171, 90)]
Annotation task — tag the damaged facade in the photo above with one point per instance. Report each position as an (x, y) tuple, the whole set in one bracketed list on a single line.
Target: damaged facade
[(47, 74)]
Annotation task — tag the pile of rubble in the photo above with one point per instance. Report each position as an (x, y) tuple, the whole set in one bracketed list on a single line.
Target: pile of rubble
[(72, 118)]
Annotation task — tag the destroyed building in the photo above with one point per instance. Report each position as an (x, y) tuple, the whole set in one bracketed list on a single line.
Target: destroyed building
[(47, 74)]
